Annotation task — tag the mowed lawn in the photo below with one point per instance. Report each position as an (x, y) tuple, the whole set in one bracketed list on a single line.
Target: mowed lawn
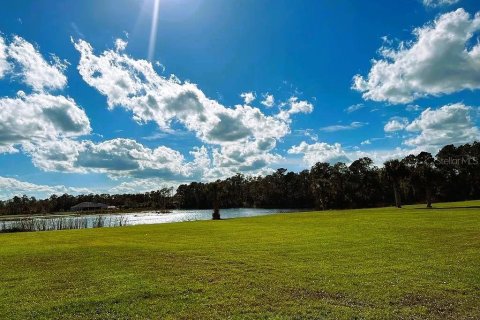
[(388, 263)]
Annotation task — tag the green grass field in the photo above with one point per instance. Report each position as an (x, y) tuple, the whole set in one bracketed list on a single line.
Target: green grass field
[(388, 263)]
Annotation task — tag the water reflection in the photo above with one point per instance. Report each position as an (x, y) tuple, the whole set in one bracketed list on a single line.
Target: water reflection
[(114, 220)]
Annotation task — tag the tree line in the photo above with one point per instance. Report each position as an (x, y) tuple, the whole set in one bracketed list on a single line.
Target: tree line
[(451, 175)]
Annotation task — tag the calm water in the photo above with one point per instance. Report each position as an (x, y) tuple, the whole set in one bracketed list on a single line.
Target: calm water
[(125, 219)]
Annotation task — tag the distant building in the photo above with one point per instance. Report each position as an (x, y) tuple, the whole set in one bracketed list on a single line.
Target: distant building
[(89, 206)]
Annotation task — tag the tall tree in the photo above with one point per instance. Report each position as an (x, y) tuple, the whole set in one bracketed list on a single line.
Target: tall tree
[(422, 174), (395, 171), (321, 184)]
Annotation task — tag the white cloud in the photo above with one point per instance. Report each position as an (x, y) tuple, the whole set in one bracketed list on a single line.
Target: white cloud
[(439, 3), (439, 61), (40, 117), (120, 44), (333, 153), (433, 129), (142, 185), (339, 127), (34, 70), (412, 107), (380, 156), (240, 133), (366, 142), (355, 107), (117, 158), (295, 106), (268, 100), (4, 65), (10, 187), (450, 124), (396, 124), (320, 152), (248, 97)]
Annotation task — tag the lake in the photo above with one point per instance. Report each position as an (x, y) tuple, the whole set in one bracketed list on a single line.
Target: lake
[(75, 221)]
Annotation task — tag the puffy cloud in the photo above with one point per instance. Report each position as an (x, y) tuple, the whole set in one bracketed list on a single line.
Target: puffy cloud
[(117, 158), (351, 126), (366, 142), (439, 3), (268, 100), (136, 86), (412, 107), (433, 129), (396, 124), (120, 44), (249, 158), (380, 156), (450, 124), (141, 185), (40, 117), (333, 153), (34, 70), (320, 152), (439, 61), (248, 97), (295, 106), (4, 65), (10, 187)]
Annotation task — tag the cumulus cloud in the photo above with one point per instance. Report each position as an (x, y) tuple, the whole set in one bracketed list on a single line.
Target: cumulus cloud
[(380, 156), (35, 71), (412, 107), (295, 106), (396, 124), (439, 3), (268, 100), (39, 117), (248, 97), (333, 153), (10, 187), (441, 60), (141, 185), (120, 44), (450, 124), (117, 158), (243, 137), (366, 142), (4, 65), (320, 152)]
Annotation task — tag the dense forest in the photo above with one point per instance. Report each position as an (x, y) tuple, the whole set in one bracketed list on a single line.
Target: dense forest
[(452, 175)]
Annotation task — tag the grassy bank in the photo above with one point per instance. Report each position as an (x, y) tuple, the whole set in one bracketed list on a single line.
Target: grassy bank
[(375, 263)]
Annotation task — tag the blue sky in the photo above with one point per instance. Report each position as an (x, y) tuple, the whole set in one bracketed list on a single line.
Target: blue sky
[(84, 110)]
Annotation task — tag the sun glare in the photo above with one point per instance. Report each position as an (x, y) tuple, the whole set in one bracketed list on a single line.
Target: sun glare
[(153, 30)]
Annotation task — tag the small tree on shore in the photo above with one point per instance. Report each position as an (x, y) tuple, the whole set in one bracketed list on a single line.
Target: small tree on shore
[(215, 201)]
